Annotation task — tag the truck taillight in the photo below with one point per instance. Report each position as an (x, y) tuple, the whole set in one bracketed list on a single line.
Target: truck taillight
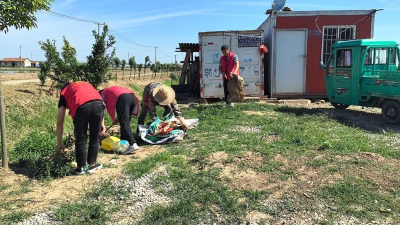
[(201, 76), (263, 87), (201, 90)]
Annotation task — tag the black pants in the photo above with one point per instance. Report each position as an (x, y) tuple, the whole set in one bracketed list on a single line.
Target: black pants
[(125, 106), (226, 92), (143, 113), (87, 115)]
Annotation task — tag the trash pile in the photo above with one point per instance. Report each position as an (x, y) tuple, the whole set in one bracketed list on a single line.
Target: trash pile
[(167, 130)]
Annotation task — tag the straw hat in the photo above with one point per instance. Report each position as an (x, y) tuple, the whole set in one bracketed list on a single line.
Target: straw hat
[(164, 95)]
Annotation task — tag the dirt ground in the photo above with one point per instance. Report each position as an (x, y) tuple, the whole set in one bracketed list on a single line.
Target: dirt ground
[(48, 195)]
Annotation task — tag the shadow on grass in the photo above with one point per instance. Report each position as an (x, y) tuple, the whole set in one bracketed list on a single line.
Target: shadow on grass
[(26, 91), (368, 121), (21, 170)]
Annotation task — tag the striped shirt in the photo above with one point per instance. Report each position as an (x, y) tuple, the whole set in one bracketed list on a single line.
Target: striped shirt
[(148, 100)]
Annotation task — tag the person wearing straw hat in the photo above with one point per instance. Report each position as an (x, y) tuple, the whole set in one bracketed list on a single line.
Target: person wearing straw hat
[(157, 93)]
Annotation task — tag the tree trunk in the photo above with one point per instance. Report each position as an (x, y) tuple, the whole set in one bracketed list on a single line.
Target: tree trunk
[(130, 74), (3, 131)]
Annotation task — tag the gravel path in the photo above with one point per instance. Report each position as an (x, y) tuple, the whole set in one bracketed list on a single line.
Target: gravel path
[(141, 196)]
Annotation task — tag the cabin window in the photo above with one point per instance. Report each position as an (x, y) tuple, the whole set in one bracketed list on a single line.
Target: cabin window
[(393, 57), (369, 57), (330, 66), (381, 56), (343, 59), (333, 34)]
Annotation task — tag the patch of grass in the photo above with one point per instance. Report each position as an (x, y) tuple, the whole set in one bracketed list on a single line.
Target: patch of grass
[(37, 152), (25, 188), (147, 165), (317, 163), (4, 187), (199, 196), (82, 213), (15, 217), (137, 89), (359, 198)]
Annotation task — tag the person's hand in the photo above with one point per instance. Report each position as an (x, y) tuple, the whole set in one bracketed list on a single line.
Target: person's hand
[(103, 130), (115, 122), (184, 127), (59, 150)]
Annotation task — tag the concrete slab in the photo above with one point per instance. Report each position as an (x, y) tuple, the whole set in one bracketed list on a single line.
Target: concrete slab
[(295, 101)]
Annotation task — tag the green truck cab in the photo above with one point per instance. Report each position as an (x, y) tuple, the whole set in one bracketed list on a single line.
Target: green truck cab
[(365, 73)]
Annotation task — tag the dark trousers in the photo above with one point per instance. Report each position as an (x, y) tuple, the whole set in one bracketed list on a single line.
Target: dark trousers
[(145, 109), (87, 115), (226, 92), (125, 106)]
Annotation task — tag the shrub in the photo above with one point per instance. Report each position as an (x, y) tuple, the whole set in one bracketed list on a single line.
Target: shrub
[(37, 152), (173, 76)]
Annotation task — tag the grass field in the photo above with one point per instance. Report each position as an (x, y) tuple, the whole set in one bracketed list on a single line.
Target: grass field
[(255, 162)]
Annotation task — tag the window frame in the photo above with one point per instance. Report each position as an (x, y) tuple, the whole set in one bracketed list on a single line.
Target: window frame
[(337, 38)]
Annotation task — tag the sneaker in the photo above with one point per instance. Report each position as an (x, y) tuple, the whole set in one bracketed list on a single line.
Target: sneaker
[(94, 167), (79, 171), (131, 149)]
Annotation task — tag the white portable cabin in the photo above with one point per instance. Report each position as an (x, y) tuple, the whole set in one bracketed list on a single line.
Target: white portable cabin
[(246, 45)]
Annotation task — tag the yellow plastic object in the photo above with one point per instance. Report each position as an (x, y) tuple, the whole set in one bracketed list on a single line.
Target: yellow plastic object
[(110, 143)]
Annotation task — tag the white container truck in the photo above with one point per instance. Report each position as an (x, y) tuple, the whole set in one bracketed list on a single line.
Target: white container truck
[(246, 45)]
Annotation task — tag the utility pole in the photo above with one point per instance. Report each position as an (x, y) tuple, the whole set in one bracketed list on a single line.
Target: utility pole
[(155, 62), (98, 27)]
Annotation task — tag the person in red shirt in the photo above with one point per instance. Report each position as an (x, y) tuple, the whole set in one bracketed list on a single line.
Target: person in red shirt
[(86, 109), (228, 64), (125, 103)]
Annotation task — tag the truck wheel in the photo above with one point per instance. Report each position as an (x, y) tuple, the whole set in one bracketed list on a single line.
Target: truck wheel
[(391, 112), (339, 106)]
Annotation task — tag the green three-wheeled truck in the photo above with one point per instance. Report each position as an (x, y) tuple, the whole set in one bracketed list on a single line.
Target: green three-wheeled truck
[(366, 73)]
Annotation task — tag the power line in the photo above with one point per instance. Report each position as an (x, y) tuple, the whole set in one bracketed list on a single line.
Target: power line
[(10, 50), (127, 39), (68, 17)]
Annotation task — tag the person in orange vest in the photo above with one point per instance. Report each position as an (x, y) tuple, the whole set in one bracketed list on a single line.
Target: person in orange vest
[(86, 109), (228, 64), (125, 103)]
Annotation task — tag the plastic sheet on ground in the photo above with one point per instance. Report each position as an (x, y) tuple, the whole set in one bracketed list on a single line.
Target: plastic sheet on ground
[(165, 131)]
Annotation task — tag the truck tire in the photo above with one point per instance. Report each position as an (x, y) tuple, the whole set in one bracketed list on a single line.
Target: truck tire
[(391, 112), (339, 106)]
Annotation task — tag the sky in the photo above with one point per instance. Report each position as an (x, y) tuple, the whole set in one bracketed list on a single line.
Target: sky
[(140, 26)]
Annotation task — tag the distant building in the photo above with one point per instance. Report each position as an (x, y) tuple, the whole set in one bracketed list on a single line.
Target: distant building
[(35, 64), (16, 62)]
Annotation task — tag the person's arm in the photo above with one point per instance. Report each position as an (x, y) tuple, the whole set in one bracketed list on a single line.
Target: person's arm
[(236, 67), (60, 129), (220, 69), (103, 127), (152, 108), (178, 115)]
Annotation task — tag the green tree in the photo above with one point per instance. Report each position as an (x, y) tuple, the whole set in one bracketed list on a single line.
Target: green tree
[(132, 65), (98, 63), (43, 74), (117, 62), (67, 69), (64, 69), (123, 64), (20, 13), (140, 66), (147, 63)]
